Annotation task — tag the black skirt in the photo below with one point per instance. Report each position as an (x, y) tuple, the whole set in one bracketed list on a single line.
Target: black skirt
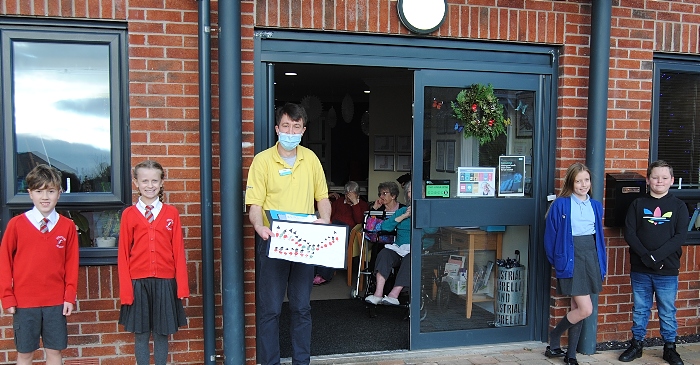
[(156, 307), (586, 279)]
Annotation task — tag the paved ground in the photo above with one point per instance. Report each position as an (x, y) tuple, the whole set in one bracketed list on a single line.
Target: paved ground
[(522, 353)]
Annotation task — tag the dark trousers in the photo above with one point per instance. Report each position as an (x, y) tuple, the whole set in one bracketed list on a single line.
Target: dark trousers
[(325, 272), (273, 278)]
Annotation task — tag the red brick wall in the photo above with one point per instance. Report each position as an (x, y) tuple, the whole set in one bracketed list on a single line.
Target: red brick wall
[(164, 125), (163, 99)]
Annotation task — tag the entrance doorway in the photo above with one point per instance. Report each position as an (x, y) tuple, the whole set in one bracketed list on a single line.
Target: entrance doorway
[(401, 129), (339, 101)]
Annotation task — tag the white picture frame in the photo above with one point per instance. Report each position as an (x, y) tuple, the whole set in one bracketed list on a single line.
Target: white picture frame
[(403, 144), (440, 147), (384, 143), (403, 163), (383, 162)]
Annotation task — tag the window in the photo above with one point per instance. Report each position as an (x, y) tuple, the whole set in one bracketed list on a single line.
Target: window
[(66, 92), (675, 135)]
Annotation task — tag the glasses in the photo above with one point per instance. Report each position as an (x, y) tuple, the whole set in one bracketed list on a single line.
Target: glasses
[(383, 193)]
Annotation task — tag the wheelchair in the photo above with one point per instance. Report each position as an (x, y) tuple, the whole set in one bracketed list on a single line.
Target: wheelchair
[(433, 287)]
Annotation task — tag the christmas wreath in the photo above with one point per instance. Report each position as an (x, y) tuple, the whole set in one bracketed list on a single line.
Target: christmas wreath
[(480, 113)]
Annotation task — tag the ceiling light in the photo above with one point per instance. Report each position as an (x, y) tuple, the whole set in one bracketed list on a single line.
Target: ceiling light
[(290, 74), (366, 91)]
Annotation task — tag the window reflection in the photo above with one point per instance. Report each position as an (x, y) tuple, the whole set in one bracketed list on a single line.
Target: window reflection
[(62, 112), (678, 135), (447, 152), (475, 278)]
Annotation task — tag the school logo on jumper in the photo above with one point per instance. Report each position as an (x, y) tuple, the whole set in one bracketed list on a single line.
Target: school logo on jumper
[(60, 242), (169, 224), (656, 217)]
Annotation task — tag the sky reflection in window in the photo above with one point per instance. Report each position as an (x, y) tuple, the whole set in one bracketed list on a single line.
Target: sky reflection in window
[(62, 111)]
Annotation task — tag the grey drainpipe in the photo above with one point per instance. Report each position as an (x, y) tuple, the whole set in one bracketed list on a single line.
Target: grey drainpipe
[(601, 11), (231, 167), (205, 172)]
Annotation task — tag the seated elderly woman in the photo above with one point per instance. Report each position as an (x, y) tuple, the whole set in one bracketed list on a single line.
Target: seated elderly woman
[(387, 192), (393, 255), (397, 253), (345, 210)]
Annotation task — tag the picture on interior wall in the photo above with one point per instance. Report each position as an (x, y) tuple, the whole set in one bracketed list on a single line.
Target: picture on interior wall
[(524, 115), (403, 144), (403, 163), (449, 156), (384, 144), (440, 156), (441, 123), (383, 162)]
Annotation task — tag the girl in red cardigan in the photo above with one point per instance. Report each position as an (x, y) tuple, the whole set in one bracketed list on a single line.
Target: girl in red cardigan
[(152, 267)]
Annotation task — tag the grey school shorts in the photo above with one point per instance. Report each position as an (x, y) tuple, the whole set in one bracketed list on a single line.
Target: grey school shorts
[(49, 322)]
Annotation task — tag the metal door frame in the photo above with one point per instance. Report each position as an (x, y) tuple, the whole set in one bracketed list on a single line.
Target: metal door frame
[(439, 212), (427, 55)]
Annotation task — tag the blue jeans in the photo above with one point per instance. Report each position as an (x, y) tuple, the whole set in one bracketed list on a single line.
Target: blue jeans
[(644, 287), (273, 278)]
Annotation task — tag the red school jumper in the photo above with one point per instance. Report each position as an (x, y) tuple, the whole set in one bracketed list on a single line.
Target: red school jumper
[(151, 250), (38, 269)]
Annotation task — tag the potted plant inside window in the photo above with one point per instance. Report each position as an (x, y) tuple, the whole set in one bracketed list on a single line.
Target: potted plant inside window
[(108, 224), (82, 225)]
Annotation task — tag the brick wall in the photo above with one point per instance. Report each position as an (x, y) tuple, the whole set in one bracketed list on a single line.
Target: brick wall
[(164, 126), (163, 99)]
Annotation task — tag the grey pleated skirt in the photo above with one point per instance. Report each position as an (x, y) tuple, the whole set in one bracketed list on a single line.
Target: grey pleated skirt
[(156, 307), (586, 279)]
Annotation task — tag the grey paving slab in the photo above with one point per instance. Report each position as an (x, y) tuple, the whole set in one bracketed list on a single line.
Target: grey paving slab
[(522, 353)]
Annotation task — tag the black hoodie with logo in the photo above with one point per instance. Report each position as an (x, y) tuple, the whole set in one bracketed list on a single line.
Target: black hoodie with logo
[(655, 230)]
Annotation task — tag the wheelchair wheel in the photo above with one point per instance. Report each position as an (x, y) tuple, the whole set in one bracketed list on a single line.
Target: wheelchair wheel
[(443, 296), (423, 307)]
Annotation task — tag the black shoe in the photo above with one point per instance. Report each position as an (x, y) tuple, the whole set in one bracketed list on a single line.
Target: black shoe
[(570, 360), (633, 352), (554, 352), (670, 354)]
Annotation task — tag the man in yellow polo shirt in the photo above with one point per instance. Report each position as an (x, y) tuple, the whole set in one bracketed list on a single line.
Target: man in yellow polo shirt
[(285, 177)]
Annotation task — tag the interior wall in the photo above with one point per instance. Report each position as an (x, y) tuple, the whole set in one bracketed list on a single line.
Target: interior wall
[(390, 114)]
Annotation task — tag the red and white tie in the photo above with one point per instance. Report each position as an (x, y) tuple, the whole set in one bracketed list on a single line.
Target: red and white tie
[(44, 225), (149, 213)]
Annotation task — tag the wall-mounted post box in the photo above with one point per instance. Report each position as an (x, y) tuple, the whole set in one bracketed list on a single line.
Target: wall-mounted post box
[(620, 190)]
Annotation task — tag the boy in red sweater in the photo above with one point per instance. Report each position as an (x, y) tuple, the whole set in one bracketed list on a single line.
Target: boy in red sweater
[(39, 270)]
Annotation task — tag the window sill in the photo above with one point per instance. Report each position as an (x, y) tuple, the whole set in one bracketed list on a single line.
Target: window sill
[(97, 256), (693, 238)]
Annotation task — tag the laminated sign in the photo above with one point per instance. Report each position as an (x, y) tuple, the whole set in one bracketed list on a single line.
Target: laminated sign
[(309, 243)]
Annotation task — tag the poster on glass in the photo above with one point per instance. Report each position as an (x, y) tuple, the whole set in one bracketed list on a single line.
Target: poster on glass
[(511, 176), (476, 181)]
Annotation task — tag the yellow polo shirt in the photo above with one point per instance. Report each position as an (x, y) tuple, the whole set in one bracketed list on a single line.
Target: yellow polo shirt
[(274, 185)]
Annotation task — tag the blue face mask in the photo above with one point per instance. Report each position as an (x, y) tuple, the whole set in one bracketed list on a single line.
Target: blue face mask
[(289, 141)]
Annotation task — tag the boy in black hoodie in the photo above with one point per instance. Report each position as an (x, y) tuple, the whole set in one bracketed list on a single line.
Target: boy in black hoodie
[(655, 229)]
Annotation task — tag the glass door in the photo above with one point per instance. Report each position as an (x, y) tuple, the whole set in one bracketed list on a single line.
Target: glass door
[(477, 209)]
